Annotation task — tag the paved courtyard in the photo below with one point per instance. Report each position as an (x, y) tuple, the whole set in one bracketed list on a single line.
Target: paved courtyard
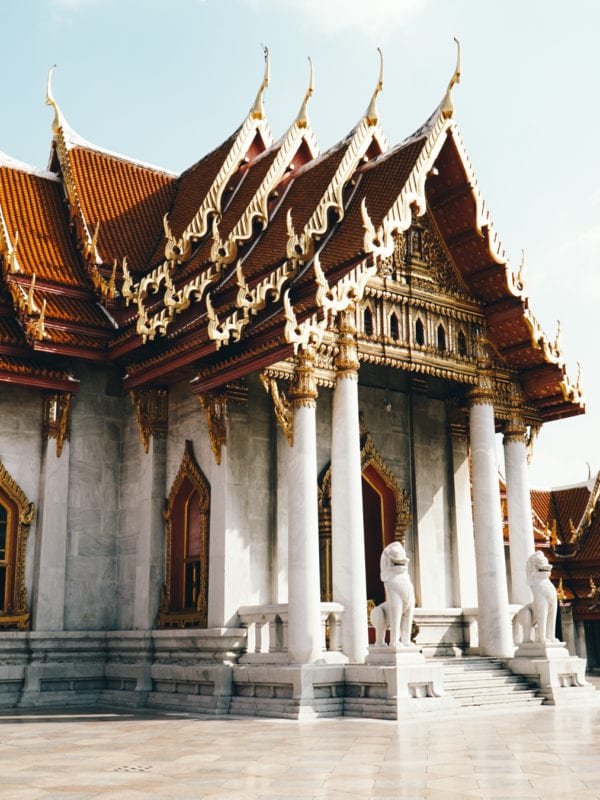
[(79, 755)]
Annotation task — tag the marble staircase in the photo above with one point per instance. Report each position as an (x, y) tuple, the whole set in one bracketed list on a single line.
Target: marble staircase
[(476, 681)]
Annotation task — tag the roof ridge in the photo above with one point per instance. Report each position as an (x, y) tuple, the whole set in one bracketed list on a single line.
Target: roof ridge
[(22, 166)]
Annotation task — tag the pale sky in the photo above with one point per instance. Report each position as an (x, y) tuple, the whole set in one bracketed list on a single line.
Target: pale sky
[(165, 82)]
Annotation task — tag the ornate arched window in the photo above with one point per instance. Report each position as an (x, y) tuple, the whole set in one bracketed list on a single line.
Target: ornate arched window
[(185, 594), (394, 327), (462, 344), (16, 516), (441, 337), (368, 322), (419, 333)]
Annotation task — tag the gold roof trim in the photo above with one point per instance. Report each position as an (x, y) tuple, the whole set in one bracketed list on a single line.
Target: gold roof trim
[(149, 325), (86, 242)]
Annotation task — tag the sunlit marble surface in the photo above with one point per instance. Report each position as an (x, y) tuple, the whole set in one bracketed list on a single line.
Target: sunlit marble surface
[(541, 753)]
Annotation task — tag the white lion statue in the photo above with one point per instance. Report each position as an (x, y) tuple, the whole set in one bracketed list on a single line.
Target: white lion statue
[(398, 610), (541, 614)]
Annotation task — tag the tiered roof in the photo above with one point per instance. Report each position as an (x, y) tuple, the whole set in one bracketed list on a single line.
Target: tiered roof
[(566, 524), (222, 270)]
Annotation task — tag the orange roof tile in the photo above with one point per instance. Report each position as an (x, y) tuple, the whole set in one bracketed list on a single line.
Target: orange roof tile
[(129, 200), (33, 205)]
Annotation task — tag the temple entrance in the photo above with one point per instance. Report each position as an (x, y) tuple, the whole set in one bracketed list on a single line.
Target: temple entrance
[(386, 516), (379, 519)]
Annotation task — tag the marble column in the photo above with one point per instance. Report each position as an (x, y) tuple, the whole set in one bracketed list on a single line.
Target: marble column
[(348, 546), (51, 551), (149, 570), (304, 617), (464, 543), (495, 635), (518, 499)]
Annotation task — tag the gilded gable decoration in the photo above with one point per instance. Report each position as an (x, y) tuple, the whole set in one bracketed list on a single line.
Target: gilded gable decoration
[(151, 407), (215, 407), (18, 516), (56, 418), (281, 406)]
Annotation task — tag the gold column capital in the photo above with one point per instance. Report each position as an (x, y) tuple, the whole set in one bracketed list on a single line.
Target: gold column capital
[(515, 429), (346, 362), (303, 390)]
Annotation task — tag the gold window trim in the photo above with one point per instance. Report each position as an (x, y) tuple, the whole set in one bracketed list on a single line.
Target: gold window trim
[(19, 615), (197, 618)]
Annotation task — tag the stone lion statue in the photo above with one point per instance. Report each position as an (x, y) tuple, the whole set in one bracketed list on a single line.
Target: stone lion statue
[(541, 614), (396, 613)]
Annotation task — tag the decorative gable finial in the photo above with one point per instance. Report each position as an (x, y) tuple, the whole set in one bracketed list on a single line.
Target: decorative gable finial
[(447, 106), (258, 111), (50, 101), (372, 114), (302, 118)]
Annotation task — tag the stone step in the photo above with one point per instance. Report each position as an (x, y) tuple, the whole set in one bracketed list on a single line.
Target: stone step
[(458, 682), (479, 681)]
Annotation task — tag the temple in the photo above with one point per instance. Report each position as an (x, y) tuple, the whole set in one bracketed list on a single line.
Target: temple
[(224, 392)]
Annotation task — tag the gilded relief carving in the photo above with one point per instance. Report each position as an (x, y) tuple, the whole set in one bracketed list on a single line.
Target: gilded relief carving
[(56, 418), (151, 407)]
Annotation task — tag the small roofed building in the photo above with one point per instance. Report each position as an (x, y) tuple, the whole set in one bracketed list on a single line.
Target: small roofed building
[(567, 528), (225, 391)]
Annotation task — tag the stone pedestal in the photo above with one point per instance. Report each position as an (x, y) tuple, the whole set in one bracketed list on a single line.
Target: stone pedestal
[(293, 691), (394, 683), (560, 676)]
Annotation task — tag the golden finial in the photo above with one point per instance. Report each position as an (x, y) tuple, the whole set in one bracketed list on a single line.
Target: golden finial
[(258, 111), (30, 302), (447, 107), (50, 101), (521, 272), (560, 592), (302, 118), (558, 337), (553, 536), (372, 114), (12, 256)]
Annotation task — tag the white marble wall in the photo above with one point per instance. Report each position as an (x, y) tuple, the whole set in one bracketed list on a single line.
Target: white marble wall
[(93, 524), (242, 514)]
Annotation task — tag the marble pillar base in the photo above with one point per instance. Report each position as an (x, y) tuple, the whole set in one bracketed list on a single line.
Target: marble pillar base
[(384, 655), (559, 675), (293, 691), (394, 683)]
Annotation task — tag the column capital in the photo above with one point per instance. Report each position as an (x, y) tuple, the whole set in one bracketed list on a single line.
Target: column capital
[(515, 429), (303, 390), (484, 391), (346, 362)]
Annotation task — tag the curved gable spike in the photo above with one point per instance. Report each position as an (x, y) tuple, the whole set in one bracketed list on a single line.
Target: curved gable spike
[(372, 114), (258, 111), (58, 121), (447, 106), (302, 118)]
